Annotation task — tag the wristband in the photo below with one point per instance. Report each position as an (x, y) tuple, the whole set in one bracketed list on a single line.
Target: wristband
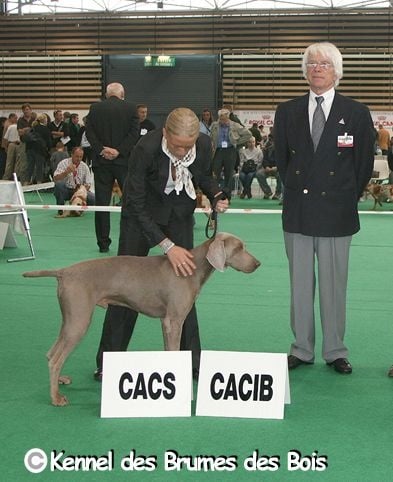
[(166, 245)]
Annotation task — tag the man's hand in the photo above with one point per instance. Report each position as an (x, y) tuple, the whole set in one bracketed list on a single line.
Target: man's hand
[(109, 153)]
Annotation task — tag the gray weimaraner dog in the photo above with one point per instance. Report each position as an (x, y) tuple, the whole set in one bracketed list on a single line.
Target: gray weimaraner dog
[(145, 284)]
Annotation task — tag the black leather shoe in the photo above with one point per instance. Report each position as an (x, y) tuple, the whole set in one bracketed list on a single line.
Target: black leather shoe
[(98, 375), (104, 249), (294, 362), (341, 365)]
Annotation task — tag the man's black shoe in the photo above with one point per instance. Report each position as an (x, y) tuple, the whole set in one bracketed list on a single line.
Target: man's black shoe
[(294, 362), (341, 365), (104, 249), (98, 375)]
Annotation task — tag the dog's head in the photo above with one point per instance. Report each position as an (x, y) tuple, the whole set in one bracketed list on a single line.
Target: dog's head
[(228, 250)]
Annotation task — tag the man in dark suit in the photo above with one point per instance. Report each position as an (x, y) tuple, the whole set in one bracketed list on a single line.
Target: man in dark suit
[(112, 130), (324, 144), (159, 199)]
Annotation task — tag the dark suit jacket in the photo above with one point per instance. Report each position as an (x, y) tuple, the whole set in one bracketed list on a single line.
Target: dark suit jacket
[(322, 188), (112, 123), (144, 196)]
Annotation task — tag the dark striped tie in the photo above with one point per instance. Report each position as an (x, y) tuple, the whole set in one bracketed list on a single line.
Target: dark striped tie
[(318, 122)]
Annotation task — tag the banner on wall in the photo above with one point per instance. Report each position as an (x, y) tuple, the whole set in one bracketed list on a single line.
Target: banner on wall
[(266, 118)]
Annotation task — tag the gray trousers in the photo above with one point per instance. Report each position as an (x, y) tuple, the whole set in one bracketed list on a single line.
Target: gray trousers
[(332, 255)]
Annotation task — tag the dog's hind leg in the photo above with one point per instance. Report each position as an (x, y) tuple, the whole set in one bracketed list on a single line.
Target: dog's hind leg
[(58, 354)]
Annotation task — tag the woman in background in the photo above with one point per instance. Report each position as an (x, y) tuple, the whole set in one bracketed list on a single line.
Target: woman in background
[(206, 122)]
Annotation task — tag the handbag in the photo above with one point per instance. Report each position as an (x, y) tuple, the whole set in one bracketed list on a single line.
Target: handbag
[(249, 166)]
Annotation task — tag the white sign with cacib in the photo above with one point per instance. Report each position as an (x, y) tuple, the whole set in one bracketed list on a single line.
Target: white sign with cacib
[(146, 384), (246, 385)]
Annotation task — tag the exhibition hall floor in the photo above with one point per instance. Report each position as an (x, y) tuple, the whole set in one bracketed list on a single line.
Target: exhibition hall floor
[(348, 419)]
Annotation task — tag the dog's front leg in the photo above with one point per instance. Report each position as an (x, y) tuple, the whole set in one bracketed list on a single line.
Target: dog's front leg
[(171, 331)]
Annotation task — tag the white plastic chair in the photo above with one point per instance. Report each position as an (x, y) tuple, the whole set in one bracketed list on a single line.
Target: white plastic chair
[(381, 170)]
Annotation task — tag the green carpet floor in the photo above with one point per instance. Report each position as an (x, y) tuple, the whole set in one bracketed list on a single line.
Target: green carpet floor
[(349, 419)]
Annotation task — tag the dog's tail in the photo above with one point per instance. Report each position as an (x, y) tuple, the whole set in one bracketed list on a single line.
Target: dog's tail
[(42, 273)]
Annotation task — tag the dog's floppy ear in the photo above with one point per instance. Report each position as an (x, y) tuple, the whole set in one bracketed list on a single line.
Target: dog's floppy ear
[(216, 254)]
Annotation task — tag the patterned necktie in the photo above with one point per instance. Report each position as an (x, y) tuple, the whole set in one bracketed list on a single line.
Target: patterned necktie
[(318, 122)]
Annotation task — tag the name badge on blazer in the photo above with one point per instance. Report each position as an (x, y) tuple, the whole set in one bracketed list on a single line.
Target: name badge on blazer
[(345, 141)]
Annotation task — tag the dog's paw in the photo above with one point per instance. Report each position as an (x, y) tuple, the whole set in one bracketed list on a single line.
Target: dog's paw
[(59, 400), (65, 380)]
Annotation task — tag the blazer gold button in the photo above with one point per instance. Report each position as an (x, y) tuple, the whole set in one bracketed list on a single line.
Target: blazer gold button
[(331, 173), (323, 193), (339, 153), (297, 172), (305, 191)]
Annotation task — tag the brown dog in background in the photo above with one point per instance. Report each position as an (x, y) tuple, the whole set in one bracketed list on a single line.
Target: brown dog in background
[(380, 193), (79, 198), (116, 194)]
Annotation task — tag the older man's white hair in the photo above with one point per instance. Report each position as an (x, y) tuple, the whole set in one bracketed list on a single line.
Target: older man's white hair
[(328, 51), (223, 113)]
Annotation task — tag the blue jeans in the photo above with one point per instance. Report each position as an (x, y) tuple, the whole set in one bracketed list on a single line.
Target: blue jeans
[(246, 180), (63, 193), (261, 177)]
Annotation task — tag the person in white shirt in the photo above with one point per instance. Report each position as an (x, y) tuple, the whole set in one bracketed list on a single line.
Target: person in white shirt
[(69, 175)]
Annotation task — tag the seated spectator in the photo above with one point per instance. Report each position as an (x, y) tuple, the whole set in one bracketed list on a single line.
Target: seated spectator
[(58, 155), (269, 169), (250, 160), (69, 175)]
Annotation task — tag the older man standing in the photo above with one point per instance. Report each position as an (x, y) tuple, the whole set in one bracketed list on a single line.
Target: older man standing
[(324, 144), (226, 137), (112, 130)]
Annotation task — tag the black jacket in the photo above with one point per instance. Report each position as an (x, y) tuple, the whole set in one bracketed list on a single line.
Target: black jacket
[(112, 123), (144, 193)]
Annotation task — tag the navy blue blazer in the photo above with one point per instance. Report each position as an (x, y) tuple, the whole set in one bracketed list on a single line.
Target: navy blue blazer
[(322, 189), (144, 192)]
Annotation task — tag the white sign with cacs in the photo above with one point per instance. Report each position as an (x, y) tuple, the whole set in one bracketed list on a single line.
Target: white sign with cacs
[(146, 384), (247, 385)]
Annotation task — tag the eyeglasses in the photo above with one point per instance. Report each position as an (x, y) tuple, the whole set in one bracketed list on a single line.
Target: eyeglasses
[(321, 65)]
